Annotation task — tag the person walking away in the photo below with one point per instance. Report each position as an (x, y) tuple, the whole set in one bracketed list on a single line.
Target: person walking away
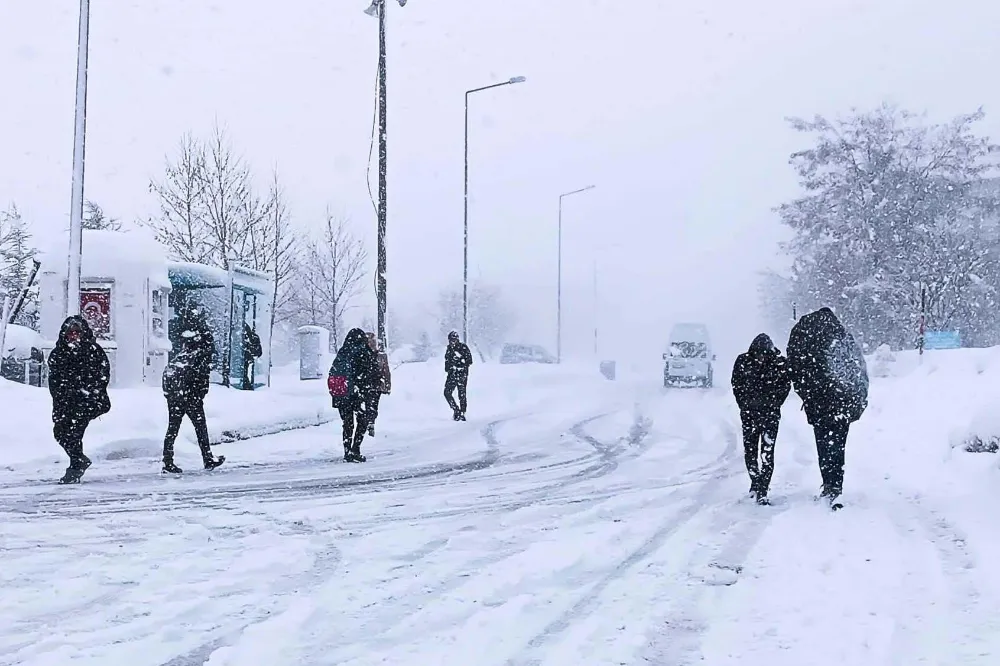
[(761, 384), (185, 385), (353, 377), (382, 387), (252, 350), (829, 373), (79, 374), (457, 360)]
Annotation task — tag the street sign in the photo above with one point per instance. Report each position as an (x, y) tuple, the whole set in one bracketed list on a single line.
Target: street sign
[(942, 340)]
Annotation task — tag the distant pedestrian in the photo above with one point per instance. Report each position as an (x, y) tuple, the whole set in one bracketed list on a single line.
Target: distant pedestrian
[(384, 385), (79, 374), (185, 385), (457, 360), (829, 374), (761, 384), (354, 376), (252, 350)]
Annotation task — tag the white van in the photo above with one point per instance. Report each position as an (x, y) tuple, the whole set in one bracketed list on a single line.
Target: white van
[(689, 358)]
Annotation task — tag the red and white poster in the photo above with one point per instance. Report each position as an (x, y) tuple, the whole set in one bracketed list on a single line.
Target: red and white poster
[(95, 306)]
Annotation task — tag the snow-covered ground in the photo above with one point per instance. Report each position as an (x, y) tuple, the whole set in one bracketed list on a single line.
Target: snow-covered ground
[(572, 521)]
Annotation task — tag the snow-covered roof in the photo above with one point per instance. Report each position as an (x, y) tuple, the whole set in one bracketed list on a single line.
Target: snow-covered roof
[(196, 276), (20, 339), (111, 254)]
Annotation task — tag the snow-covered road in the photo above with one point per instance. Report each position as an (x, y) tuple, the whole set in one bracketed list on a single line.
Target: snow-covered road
[(608, 529)]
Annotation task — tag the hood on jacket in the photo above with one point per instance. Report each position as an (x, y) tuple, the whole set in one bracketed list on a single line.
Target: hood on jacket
[(762, 345), (824, 320), (75, 322), (355, 341)]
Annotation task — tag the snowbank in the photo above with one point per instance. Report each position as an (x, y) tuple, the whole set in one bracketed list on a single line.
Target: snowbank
[(134, 428)]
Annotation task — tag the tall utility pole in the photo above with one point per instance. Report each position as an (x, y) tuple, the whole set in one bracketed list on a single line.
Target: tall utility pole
[(79, 154), (559, 278), (465, 216), (377, 8)]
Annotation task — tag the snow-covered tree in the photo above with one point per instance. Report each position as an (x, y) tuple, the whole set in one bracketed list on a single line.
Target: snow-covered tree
[(95, 218), (895, 209), (330, 276), (490, 318), (181, 226), (16, 254)]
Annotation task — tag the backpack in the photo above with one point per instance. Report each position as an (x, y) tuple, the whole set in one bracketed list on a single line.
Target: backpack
[(338, 382)]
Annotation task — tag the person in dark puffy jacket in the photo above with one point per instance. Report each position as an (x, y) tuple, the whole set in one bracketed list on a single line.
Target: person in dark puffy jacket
[(384, 385), (761, 384), (457, 361), (354, 377), (79, 374), (830, 375), (185, 385)]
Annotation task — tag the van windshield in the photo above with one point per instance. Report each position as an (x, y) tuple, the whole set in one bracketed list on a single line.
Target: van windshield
[(689, 349)]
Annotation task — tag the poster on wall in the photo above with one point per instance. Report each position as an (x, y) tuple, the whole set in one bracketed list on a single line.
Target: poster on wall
[(95, 306)]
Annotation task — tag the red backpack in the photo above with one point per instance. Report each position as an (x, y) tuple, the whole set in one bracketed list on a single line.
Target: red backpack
[(337, 385)]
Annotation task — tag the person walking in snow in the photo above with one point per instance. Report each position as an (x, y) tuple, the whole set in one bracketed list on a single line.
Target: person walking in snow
[(354, 377), (382, 387), (252, 350), (185, 385), (457, 360), (79, 374), (761, 384), (829, 374)]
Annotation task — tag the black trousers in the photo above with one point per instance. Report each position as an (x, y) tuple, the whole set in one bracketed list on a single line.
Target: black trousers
[(371, 406), (356, 420), (760, 432), (831, 443), (68, 431), (460, 381), (194, 409)]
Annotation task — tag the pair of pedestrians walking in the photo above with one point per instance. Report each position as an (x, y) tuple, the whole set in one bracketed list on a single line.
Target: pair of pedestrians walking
[(827, 369)]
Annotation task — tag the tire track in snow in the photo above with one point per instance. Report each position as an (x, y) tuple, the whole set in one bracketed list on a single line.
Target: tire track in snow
[(735, 529), (697, 502), (973, 609)]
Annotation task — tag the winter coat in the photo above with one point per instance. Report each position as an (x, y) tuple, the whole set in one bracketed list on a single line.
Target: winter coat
[(355, 372), (187, 375), (79, 375), (251, 342), (385, 373), (761, 379), (457, 358), (828, 369)]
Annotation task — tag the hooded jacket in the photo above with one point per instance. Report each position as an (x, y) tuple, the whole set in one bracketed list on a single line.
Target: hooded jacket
[(188, 373), (828, 369), (761, 380), (79, 374), (357, 362)]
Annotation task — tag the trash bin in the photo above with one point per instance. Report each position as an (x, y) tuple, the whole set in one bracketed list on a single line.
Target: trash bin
[(314, 342), (608, 369)]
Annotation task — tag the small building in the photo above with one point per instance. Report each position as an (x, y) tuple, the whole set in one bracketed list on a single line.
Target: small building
[(124, 292), (235, 303)]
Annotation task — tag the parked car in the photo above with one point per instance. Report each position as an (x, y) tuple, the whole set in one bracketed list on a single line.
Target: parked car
[(22, 358), (689, 359), (517, 353)]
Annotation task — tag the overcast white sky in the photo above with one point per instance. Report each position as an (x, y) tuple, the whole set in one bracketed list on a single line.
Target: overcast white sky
[(674, 110)]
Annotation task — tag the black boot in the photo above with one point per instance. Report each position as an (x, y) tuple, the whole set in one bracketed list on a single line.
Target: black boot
[(72, 475), (211, 463), (170, 468)]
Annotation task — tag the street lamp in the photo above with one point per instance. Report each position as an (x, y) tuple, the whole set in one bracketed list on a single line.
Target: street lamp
[(377, 9), (79, 150), (559, 278), (465, 247)]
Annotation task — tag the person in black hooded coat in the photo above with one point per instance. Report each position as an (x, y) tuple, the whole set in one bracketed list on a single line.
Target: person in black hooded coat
[(761, 384), (830, 375), (79, 374), (185, 385), (354, 377)]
